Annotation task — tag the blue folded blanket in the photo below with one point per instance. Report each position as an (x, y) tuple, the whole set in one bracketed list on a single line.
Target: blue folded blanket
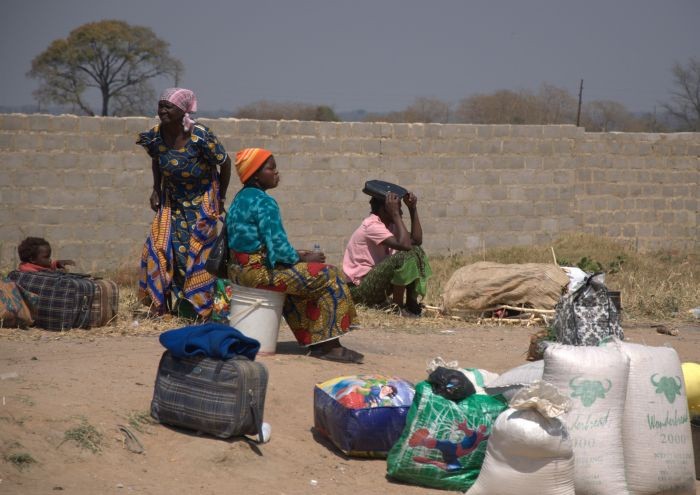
[(214, 340)]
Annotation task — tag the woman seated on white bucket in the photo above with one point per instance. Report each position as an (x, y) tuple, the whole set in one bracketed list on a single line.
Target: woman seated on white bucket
[(318, 307)]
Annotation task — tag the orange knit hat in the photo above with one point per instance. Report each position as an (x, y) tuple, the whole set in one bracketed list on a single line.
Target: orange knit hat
[(249, 160)]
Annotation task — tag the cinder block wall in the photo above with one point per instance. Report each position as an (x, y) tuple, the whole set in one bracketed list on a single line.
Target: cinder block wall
[(83, 184)]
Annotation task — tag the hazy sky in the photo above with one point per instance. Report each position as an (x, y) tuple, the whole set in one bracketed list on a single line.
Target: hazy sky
[(379, 55)]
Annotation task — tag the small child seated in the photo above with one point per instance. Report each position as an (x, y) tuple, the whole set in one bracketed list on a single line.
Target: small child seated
[(35, 256)]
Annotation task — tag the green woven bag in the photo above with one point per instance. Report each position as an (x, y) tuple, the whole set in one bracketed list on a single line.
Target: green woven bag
[(444, 442)]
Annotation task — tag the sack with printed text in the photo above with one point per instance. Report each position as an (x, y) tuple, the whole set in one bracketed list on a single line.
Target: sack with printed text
[(656, 432), (594, 379)]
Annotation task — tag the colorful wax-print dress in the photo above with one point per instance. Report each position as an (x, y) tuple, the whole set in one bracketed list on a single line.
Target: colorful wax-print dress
[(318, 306), (184, 229)]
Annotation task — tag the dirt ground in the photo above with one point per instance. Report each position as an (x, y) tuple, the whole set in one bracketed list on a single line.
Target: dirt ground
[(50, 382)]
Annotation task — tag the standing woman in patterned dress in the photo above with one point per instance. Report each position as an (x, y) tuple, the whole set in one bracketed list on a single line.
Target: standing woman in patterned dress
[(191, 172)]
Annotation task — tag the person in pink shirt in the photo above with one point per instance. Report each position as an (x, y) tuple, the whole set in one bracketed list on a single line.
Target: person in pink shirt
[(35, 256), (384, 258)]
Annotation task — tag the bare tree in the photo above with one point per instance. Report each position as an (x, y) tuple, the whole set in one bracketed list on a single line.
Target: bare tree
[(685, 98), (426, 110), (550, 105), (606, 115), (502, 107), (558, 105)]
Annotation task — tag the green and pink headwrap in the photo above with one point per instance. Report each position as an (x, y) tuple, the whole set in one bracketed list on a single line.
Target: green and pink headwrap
[(185, 100)]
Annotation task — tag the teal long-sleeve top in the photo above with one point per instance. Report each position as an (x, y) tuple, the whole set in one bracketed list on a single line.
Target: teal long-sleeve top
[(253, 222)]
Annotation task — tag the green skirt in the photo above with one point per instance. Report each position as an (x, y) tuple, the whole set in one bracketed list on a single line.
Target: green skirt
[(402, 268)]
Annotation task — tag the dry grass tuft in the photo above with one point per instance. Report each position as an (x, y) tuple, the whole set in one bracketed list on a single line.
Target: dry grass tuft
[(86, 436), (387, 319), (139, 420), (20, 460)]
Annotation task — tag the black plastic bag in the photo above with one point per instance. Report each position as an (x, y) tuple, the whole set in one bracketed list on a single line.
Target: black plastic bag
[(451, 384)]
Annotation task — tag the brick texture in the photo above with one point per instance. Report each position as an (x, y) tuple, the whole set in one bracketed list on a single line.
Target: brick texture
[(83, 183)]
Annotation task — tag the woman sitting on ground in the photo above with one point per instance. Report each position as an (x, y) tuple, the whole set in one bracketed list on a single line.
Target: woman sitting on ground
[(35, 256), (383, 257), (318, 307)]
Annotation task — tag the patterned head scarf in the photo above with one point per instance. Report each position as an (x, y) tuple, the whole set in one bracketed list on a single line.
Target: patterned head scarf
[(185, 100), (249, 160)]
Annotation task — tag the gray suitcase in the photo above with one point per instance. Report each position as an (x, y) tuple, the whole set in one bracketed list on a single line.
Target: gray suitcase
[(224, 398)]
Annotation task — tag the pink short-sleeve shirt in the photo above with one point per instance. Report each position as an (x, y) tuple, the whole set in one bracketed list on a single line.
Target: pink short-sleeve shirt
[(364, 250)]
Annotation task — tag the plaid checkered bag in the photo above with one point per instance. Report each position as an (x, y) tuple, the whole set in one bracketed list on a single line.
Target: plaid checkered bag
[(63, 301), (105, 304), (224, 398)]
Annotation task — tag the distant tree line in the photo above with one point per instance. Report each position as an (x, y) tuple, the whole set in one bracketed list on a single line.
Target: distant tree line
[(271, 110), (121, 61), (549, 105)]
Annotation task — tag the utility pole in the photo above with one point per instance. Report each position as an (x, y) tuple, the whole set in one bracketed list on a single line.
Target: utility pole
[(578, 113)]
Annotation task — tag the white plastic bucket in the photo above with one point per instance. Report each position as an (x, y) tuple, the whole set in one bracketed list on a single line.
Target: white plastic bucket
[(257, 314)]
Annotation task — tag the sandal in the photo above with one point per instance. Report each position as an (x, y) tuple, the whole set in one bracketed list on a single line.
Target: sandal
[(338, 354), (130, 441)]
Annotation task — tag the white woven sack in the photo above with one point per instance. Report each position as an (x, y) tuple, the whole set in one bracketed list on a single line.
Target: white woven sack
[(479, 377), (510, 382), (656, 430), (529, 451), (595, 380)]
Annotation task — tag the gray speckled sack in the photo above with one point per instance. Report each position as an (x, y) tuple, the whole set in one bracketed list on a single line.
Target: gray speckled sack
[(588, 315)]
